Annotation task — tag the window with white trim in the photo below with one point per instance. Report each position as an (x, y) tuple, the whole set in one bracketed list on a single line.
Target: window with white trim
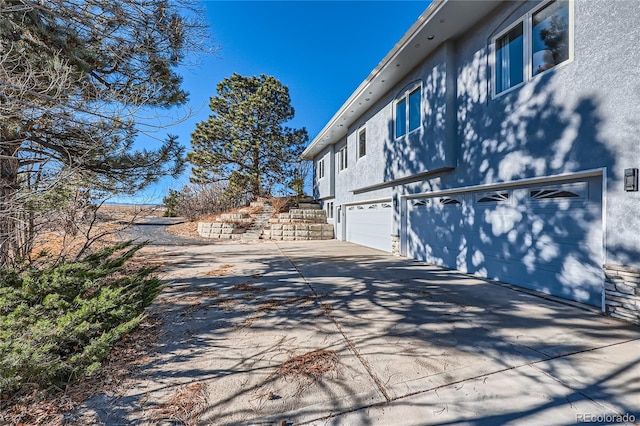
[(330, 210), (321, 168), (342, 158), (362, 142), (537, 42), (408, 114)]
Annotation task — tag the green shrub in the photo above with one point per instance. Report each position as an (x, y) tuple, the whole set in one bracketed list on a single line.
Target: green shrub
[(58, 324)]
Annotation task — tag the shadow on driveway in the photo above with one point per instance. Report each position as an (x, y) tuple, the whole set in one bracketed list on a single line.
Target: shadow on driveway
[(416, 344)]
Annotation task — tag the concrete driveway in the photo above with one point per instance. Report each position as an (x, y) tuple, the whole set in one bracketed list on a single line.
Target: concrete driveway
[(414, 344)]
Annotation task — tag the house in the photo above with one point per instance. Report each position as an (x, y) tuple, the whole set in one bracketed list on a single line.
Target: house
[(501, 139)]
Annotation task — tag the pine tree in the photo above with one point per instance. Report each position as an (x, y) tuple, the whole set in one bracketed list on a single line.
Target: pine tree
[(74, 77), (245, 141)]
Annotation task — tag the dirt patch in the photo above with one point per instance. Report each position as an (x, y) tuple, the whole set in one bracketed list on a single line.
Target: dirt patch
[(127, 211)]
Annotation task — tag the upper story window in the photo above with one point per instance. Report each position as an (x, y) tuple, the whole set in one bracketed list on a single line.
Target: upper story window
[(537, 42), (321, 169), (342, 158), (362, 143), (408, 112)]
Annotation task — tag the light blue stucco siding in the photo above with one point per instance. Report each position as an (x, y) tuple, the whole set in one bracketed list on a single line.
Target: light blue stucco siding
[(582, 115), (546, 236), (577, 123)]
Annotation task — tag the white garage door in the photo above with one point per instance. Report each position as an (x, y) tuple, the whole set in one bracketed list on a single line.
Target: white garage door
[(543, 237), (370, 225)]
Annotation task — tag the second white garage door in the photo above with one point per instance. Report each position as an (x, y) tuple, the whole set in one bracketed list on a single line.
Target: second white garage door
[(370, 225)]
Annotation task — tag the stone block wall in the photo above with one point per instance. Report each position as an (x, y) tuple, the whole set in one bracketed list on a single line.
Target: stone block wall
[(220, 230), (301, 216), (299, 225), (622, 292), (395, 244), (235, 218), (226, 226)]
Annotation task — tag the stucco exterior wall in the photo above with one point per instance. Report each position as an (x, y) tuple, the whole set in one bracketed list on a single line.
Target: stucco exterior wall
[(582, 115), (389, 158)]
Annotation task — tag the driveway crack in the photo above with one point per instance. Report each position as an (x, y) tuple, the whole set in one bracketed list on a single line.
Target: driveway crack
[(327, 310)]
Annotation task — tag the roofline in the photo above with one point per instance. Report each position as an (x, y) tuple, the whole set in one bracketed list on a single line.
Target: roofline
[(422, 20), (329, 134)]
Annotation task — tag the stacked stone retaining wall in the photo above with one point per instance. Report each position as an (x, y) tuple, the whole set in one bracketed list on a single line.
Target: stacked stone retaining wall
[(226, 226), (299, 225)]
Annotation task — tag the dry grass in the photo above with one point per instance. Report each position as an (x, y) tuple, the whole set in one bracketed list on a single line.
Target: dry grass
[(184, 229), (54, 240), (308, 368), (127, 211), (270, 305), (326, 307), (279, 203), (184, 406)]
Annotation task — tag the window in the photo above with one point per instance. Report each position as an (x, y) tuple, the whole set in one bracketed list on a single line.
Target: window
[(409, 112), (446, 201), (362, 143), (342, 158), (536, 43), (550, 36), (576, 191), (414, 109), (330, 210), (493, 197), (401, 118), (321, 169), (509, 59)]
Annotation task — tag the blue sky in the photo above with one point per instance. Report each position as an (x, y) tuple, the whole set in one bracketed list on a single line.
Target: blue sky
[(321, 50)]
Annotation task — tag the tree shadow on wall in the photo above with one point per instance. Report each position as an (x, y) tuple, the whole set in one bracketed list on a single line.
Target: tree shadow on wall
[(549, 241)]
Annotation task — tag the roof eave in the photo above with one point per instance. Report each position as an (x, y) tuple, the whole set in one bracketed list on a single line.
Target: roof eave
[(427, 33)]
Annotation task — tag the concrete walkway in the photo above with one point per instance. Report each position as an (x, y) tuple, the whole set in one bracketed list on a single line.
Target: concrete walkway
[(415, 344)]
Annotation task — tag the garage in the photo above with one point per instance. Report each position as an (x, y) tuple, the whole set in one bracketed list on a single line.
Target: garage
[(546, 237), (369, 225)]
